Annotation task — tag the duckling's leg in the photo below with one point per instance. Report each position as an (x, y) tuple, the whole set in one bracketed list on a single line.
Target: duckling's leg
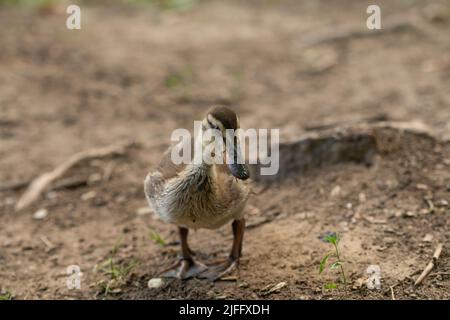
[(232, 263), (186, 267)]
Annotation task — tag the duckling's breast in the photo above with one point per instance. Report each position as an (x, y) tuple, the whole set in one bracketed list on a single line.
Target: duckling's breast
[(193, 200)]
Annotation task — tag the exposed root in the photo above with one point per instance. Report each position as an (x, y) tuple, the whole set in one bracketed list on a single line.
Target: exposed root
[(430, 265), (41, 183), (400, 23)]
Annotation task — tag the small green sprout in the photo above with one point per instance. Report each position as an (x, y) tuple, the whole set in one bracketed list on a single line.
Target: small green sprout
[(156, 238), (180, 5), (116, 272), (179, 78), (6, 295), (333, 239)]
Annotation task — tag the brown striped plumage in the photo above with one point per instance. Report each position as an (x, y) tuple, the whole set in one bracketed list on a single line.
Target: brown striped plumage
[(199, 195)]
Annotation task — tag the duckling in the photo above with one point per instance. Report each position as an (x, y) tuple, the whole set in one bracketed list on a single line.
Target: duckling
[(203, 194)]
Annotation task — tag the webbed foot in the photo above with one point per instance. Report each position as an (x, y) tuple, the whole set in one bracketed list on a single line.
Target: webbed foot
[(184, 269), (220, 269)]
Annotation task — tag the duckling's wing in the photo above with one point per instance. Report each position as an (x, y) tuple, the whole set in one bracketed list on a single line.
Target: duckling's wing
[(167, 167)]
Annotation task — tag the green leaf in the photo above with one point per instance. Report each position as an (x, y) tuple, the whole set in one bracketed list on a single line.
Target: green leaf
[(174, 80), (155, 237), (333, 238), (117, 246), (6, 296), (335, 265), (323, 262), (330, 286)]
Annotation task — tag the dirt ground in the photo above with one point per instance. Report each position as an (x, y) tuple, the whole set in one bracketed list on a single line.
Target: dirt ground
[(137, 73)]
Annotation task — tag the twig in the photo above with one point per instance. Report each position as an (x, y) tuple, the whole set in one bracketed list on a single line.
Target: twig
[(47, 242), (230, 278), (392, 287), (392, 292), (42, 182), (430, 265), (259, 223), (399, 23)]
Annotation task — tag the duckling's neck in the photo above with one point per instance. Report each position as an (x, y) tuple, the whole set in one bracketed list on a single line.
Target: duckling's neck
[(202, 164), (200, 177)]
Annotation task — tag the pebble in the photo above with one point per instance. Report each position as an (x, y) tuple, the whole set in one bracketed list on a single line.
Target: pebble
[(359, 283), (277, 287), (362, 197), (143, 211), (442, 203), (398, 213), (88, 195), (422, 186), (336, 191), (409, 214), (211, 294), (155, 283), (40, 214), (121, 199), (375, 220), (51, 195), (344, 225), (94, 178), (428, 238)]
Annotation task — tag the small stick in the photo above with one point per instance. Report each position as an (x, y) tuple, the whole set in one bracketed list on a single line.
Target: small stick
[(259, 223), (47, 242), (392, 293), (399, 23), (38, 185), (334, 35), (430, 265), (230, 278)]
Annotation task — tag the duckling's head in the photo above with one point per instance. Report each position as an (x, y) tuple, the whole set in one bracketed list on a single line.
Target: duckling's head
[(226, 121)]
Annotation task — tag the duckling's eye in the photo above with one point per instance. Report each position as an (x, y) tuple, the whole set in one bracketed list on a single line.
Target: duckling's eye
[(213, 126)]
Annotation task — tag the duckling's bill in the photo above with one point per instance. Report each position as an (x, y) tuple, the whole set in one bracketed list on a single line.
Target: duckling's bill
[(235, 160)]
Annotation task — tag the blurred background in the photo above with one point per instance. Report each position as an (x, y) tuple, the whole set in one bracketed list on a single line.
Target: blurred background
[(152, 66), (138, 69)]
